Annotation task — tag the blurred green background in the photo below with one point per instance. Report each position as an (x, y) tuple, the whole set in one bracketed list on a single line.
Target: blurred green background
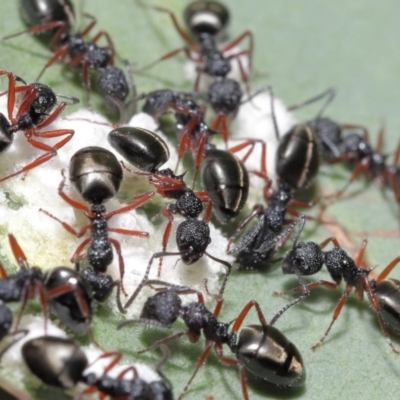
[(302, 47)]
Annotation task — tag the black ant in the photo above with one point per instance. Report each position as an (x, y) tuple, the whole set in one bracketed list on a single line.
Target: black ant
[(192, 235), (35, 112), (297, 164), (55, 19), (255, 346), (206, 21), (97, 175), (68, 292), (356, 149), (308, 258), (224, 176), (61, 363)]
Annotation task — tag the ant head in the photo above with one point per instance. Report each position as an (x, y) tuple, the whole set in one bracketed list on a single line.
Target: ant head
[(96, 174), (163, 308), (56, 361), (192, 238), (140, 147), (224, 96), (267, 354), (210, 17), (112, 86), (44, 101)]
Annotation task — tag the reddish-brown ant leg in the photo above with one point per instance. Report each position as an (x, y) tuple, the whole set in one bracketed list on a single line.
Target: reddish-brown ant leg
[(236, 41), (179, 29), (3, 273), (121, 264), (199, 157), (202, 359), (239, 320), (11, 93), (139, 201), (18, 253), (232, 362), (66, 226), (167, 214), (76, 257), (220, 120), (263, 159), (387, 270), (336, 313), (329, 240), (360, 256), (58, 55)]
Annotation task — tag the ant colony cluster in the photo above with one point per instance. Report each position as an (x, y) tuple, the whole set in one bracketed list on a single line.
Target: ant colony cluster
[(155, 216)]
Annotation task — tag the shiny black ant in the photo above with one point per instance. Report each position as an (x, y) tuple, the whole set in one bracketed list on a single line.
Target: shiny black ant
[(206, 21), (35, 111), (297, 163), (224, 176), (61, 363), (192, 235), (97, 175), (356, 149), (54, 20), (69, 293), (307, 258), (256, 347)]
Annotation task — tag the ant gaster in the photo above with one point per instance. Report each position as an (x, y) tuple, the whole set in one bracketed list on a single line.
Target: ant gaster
[(61, 363), (34, 113), (97, 174), (262, 350)]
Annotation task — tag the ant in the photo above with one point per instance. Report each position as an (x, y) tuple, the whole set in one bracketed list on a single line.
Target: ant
[(297, 164), (193, 235), (307, 258), (356, 149), (97, 175), (206, 21), (61, 363), (54, 20), (69, 294), (35, 112), (225, 178), (254, 346)]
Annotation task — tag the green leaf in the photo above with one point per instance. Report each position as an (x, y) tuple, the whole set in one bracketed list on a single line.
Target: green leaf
[(301, 48)]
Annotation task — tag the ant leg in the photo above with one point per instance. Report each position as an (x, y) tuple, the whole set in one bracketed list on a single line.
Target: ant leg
[(76, 257), (387, 270), (220, 120), (50, 151), (11, 93), (329, 240), (18, 253), (306, 291), (121, 264), (336, 313), (374, 303), (3, 273), (139, 201), (178, 28), (73, 203), (239, 320), (66, 226), (199, 157), (167, 214), (110, 43), (202, 359), (258, 209), (228, 271), (263, 159), (235, 42), (58, 55), (236, 363)]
